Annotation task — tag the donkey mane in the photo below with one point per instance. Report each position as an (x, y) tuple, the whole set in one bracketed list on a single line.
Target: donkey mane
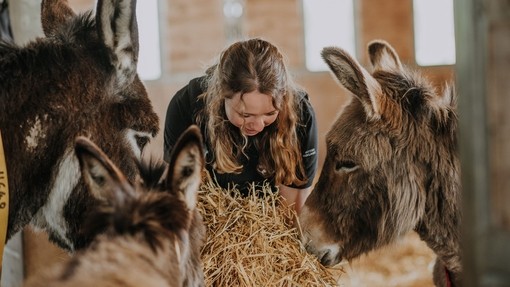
[(78, 28), (147, 219), (148, 216), (151, 170), (416, 96)]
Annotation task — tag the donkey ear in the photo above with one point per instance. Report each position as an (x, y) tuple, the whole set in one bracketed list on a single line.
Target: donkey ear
[(355, 79), (54, 14), (383, 56), (186, 165), (102, 178), (118, 30)]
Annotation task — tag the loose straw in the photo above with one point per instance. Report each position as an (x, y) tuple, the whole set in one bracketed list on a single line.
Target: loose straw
[(250, 243)]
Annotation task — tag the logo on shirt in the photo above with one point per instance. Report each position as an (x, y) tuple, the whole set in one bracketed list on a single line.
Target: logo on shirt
[(310, 152)]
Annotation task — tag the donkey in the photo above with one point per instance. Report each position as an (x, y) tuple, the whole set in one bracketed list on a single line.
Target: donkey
[(146, 234), (391, 166), (80, 79)]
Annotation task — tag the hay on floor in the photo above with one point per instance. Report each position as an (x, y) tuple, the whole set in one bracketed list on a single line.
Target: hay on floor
[(250, 243)]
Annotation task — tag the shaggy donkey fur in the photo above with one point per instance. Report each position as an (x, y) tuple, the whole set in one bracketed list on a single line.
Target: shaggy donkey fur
[(391, 166), (146, 234), (78, 80)]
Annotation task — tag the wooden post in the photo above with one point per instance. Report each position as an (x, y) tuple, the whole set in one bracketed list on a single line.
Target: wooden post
[(483, 84)]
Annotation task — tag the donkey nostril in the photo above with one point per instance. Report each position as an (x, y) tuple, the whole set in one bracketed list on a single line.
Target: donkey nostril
[(324, 258)]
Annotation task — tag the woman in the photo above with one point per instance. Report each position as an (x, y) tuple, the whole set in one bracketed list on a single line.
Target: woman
[(257, 125)]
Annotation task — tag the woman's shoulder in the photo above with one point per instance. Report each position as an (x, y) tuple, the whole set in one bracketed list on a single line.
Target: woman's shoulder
[(196, 87), (189, 94), (305, 107)]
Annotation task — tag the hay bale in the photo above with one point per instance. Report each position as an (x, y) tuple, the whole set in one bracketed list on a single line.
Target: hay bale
[(250, 243)]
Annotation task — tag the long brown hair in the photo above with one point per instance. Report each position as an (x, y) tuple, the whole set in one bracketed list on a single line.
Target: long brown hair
[(247, 66)]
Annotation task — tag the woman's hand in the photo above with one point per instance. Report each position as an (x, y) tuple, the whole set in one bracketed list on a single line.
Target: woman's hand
[(295, 196)]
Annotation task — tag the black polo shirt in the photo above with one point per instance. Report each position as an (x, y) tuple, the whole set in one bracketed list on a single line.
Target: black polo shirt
[(182, 111)]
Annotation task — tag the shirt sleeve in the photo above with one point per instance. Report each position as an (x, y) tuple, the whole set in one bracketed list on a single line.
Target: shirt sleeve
[(180, 114), (308, 136)]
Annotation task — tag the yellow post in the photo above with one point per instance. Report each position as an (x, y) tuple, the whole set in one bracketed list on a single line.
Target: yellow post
[(4, 201)]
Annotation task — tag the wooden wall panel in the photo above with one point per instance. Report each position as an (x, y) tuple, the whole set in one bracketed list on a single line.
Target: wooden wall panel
[(483, 65)]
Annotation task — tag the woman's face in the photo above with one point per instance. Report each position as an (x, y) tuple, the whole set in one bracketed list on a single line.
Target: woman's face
[(252, 113)]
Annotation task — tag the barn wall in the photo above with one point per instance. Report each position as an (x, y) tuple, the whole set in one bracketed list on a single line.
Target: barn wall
[(193, 33)]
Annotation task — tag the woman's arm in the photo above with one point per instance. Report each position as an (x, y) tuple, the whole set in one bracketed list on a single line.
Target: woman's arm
[(308, 137), (295, 196), (180, 114)]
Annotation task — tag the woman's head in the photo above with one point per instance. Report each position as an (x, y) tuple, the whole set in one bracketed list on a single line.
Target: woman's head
[(249, 72), (251, 112), (252, 65), (249, 89)]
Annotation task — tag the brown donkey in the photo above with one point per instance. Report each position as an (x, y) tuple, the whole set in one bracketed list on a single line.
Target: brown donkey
[(146, 234), (391, 166), (80, 79)]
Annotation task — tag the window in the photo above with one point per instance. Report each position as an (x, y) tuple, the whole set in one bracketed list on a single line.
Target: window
[(149, 60), (434, 34), (327, 23), (233, 10)]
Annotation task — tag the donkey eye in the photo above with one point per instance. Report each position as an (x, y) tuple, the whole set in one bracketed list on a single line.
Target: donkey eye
[(141, 141), (346, 166)]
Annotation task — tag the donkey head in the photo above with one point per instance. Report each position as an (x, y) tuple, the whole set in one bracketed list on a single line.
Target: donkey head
[(158, 211), (78, 80), (391, 164), (146, 232)]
